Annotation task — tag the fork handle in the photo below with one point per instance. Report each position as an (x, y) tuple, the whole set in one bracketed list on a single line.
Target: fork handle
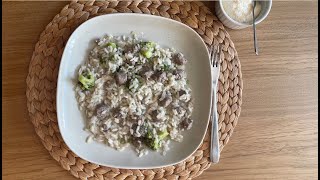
[(214, 147)]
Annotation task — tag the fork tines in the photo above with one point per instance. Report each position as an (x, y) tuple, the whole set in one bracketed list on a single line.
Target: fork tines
[(215, 55)]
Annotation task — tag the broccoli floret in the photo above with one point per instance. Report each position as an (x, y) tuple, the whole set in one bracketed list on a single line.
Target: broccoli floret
[(163, 134), (149, 134), (113, 45), (147, 49), (148, 44), (166, 67), (154, 142), (151, 141), (146, 54), (87, 80)]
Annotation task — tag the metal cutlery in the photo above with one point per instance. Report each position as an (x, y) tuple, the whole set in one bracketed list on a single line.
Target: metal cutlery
[(254, 29), (215, 71)]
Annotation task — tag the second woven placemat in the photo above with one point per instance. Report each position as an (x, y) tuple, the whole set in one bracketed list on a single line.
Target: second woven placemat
[(43, 72)]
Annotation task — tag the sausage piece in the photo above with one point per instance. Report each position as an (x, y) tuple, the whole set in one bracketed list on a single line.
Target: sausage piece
[(129, 48), (165, 99), (121, 77), (182, 92), (186, 124), (179, 59), (178, 73), (159, 76), (146, 72)]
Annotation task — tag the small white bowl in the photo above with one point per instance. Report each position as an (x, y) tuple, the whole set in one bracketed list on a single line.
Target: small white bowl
[(232, 24)]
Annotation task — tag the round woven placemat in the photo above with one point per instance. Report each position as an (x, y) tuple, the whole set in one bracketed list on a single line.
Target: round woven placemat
[(43, 72)]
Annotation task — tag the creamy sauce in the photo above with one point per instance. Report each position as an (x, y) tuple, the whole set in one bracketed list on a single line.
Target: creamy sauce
[(241, 10)]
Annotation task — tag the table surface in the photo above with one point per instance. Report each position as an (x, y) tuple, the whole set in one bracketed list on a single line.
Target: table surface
[(276, 137)]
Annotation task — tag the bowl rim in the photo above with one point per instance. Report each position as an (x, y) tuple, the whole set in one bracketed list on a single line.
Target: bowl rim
[(59, 89), (246, 24)]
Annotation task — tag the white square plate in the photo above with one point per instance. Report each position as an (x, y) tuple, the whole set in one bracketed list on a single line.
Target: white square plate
[(166, 32)]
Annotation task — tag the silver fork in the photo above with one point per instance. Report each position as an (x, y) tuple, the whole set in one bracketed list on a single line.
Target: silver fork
[(215, 71)]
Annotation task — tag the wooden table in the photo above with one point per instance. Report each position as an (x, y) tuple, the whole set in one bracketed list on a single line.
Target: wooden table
[(276, 137)]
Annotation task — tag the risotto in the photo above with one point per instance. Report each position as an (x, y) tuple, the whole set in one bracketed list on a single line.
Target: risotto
[(134, 92)]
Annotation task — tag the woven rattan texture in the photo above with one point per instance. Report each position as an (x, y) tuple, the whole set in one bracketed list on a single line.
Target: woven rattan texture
[(43, 72)]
